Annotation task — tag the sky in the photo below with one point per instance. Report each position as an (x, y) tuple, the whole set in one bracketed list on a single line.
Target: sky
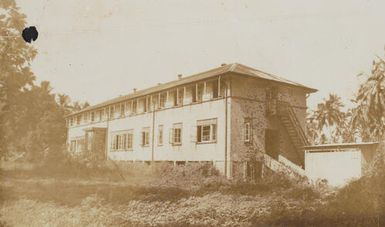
[(94, 50)]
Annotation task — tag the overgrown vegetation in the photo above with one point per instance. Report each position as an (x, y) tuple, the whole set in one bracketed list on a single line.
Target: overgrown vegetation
[(160, 194)]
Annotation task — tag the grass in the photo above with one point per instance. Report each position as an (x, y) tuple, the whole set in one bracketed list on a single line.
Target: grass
[(162, 194), (189, 195)]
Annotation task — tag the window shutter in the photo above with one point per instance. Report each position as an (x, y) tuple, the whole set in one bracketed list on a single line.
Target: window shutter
[(213, 132)]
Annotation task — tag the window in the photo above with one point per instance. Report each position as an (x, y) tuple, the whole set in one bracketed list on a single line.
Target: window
[(111, 113), (143, 104), (71, 121), (148, 102), (247, 132), (101, 114), (122, 109), (77, 144), (193, 93), (92, 116), (78, 119), (122, 141), (117, 111), (199, 92), (176, 134), (155, 101), (207, 130), (160, 135), (128, 107), (85, 117), (162, 99), (180, 96), (174, 96), (215, 89), (134, 106), (145, 137)]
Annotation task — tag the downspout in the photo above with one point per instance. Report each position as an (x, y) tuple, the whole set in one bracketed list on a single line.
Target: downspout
[(228, 87), (153, 132), (107, 133), (226, 132)]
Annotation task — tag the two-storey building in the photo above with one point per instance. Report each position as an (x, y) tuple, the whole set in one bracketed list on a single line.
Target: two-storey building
[(230, 116)]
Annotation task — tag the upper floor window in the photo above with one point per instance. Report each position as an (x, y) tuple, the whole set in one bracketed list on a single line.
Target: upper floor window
[(155, 101), (145, 140), (122, 109), (174, 97), (78, 119), (193, 90), (117, 111), (111, 113), (134, 106), (180, 96), (176, 134), (162, 99), (214, 89), (128, 107), (207, 130), (92, 116), (199, 92), (85, 116)]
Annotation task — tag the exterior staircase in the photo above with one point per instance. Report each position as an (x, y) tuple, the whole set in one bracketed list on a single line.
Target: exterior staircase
[(289, 119), (283, 165)]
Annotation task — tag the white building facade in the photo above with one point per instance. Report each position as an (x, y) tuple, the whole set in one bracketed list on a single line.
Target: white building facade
[(216, 116)]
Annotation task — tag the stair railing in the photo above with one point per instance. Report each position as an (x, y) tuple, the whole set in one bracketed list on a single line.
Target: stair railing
[(284, 109)]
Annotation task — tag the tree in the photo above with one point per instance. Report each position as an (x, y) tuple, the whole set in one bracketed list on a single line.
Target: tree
[(326, 122), (15, 72), (369, 115)]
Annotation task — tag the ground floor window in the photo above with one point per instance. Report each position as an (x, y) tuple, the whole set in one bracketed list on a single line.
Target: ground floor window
[(77, 144), (207, 130), (145, 137), (247, 131), (122, 140), (176, 134), (160, 135)]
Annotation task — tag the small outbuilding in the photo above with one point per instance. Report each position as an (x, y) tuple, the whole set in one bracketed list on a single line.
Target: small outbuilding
[(338, 163)]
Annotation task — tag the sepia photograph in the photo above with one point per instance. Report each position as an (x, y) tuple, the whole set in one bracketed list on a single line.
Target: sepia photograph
[(192, 113)]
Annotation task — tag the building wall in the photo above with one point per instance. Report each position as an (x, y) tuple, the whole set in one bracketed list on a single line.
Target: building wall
[(189, 150), (336, 167), (246, 100), (249, 103)]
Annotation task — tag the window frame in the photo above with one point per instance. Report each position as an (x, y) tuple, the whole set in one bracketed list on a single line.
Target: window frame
[(160, 135), (176, 133), (122, 141), (145, 137), (247, 132), (212, 125)]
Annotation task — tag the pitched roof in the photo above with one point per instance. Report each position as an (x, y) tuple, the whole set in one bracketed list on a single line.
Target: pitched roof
[(228, 68)]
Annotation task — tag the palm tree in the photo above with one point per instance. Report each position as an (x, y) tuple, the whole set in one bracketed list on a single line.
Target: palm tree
[(328, 118), (369, 115), (64, 102), (329, 112)]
